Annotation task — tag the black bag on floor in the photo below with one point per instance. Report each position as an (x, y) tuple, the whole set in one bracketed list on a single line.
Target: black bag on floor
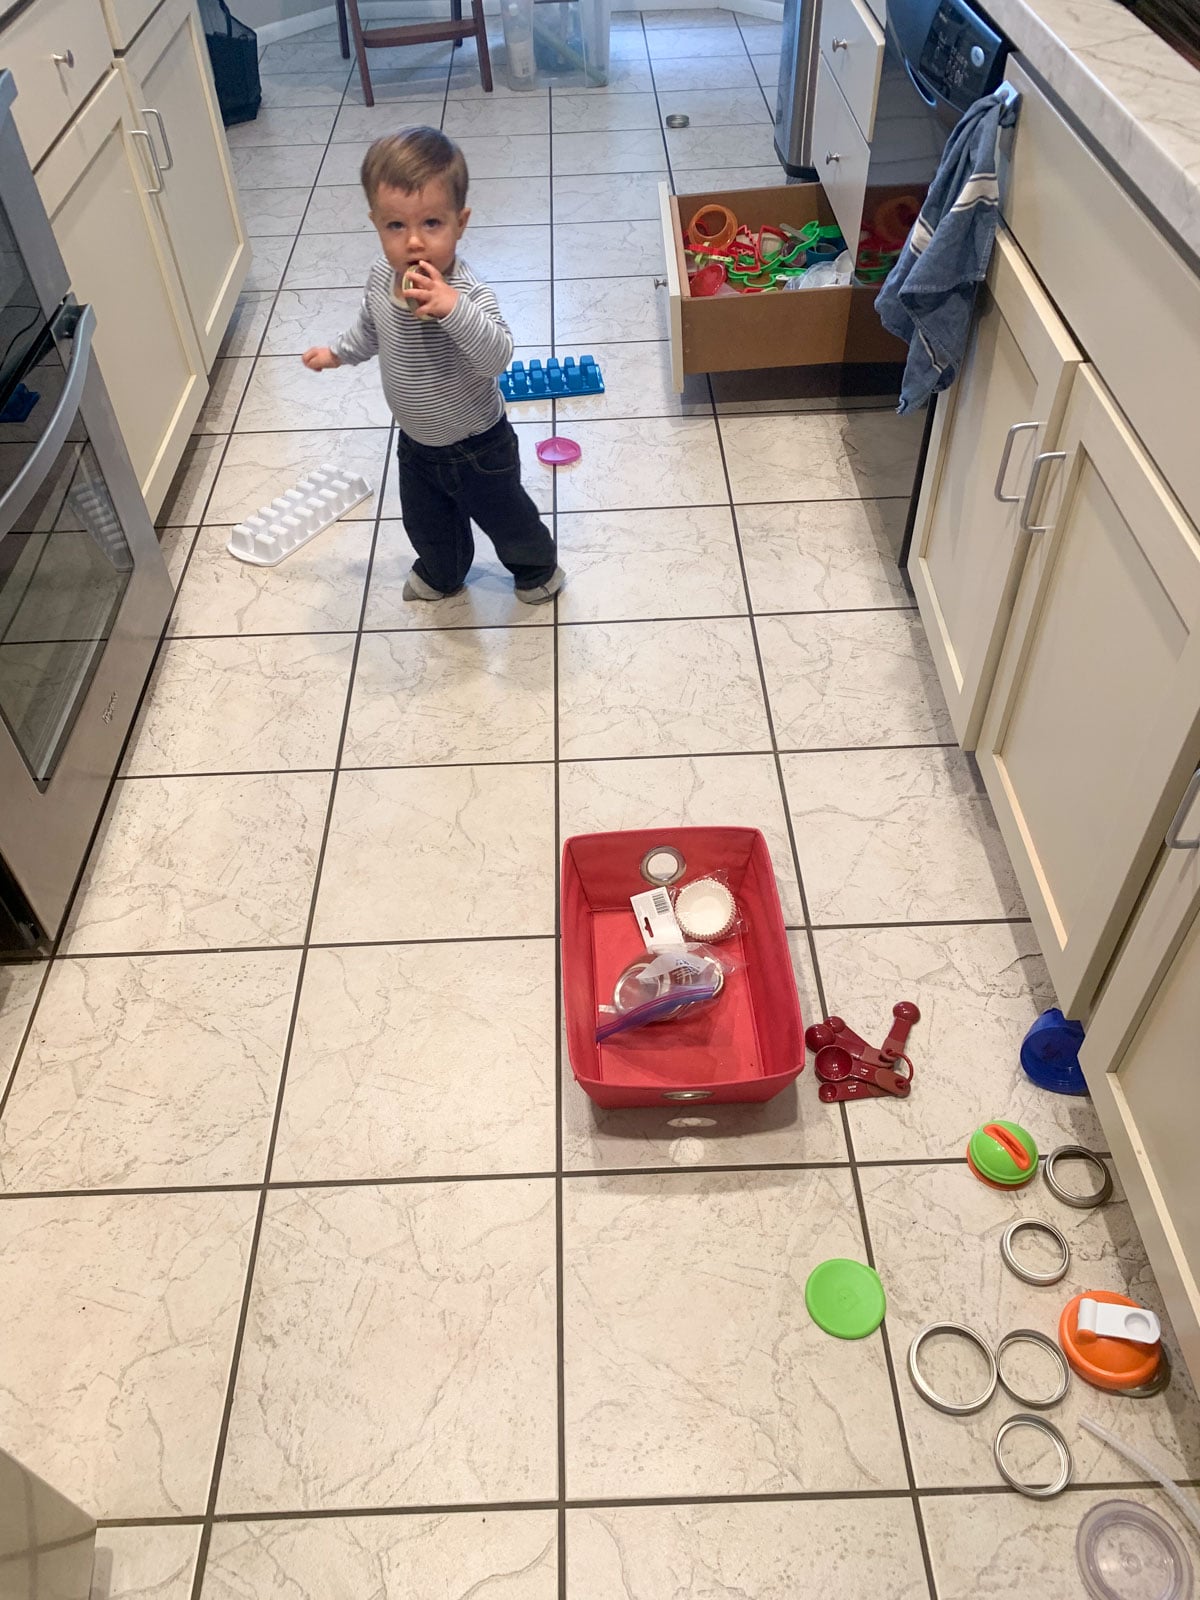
[(233, 50)]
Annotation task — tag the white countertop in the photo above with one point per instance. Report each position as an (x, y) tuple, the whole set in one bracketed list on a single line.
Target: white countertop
[(1138, 98)]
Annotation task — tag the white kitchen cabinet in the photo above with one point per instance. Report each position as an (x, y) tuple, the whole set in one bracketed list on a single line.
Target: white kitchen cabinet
[(57, 51), (95, 184), (1093, 726), (169, 80), (1139, 1059), (969, 544), (840, 153)]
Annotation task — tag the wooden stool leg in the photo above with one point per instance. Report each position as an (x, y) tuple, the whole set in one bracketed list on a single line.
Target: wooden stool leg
[(343, 33), (360, 50), (456, 14), (481, 44)]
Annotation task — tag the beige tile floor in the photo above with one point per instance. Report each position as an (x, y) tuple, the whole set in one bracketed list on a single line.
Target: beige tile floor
[(322, 1279)]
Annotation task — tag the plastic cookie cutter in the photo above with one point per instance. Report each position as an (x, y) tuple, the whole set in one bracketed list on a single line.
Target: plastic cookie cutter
[(848, 1068), (712, 228)]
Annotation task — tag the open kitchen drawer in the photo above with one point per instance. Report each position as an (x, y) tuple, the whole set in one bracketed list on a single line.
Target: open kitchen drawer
[(801, 328)]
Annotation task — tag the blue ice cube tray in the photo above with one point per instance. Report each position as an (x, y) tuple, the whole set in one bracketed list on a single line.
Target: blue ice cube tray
[(538, 382)]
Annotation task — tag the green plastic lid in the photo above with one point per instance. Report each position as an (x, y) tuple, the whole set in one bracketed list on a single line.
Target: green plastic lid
[(1003, 1153), (845, 1298)]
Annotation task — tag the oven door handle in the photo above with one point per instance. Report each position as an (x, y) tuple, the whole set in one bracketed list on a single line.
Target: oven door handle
[(40, 459)]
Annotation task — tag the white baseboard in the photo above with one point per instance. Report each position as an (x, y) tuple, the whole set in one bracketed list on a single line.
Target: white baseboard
[(319, 16)]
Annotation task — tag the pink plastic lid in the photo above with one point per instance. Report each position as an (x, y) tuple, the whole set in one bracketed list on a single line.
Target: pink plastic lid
[(557, 451)]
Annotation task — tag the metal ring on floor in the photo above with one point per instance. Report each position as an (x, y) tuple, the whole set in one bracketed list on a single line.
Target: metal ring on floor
[(921, 1384), (1027, 1274), (1077, 1152), (1025, 1419), (1032, 1336), (1160, 1380)]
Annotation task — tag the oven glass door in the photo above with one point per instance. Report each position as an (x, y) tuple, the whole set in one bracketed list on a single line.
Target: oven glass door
[(65, 563)]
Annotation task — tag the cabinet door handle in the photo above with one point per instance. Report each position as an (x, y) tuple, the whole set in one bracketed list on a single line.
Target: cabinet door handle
[(168, 160), (1173, 841), (1034, 478), (830, 156), (998, 491), (140, 133), (840, 44), (63, 58)]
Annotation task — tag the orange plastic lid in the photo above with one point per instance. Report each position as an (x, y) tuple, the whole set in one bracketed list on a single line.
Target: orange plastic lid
[(1114, 1364)]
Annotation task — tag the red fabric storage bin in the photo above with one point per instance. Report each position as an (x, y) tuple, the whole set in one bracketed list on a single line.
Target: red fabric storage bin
[(747, 1045)]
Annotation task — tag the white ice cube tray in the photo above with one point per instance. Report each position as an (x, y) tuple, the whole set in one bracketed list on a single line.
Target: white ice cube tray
[(297, 516)]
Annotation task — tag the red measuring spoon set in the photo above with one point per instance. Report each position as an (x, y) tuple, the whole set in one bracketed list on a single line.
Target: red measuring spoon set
[(848, 1068)]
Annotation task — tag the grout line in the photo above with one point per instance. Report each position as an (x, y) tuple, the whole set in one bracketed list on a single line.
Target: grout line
[(491, 938), (662, 127), (506, 627), (822, 1001), (522, 761), (560, 1175), (474, 1508), (560, 1337), (260, 1212), (615, 1503)]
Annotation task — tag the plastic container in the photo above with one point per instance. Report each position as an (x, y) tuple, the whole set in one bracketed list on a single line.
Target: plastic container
[(1002, 1155), (1050, 1053), (748, 1044), (520, 67), (1126, 1551), (566, 41)]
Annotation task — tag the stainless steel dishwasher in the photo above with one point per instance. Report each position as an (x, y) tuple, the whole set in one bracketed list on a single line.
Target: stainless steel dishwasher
[(797, 88)]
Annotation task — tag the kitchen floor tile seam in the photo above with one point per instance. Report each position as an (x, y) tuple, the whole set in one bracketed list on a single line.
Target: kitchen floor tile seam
[(750, 1168), (519, 761), (281, 1088), (766, 99), (818, 979), (313, 944), (163, 639), (662, 128), (687, 505), (534, 1507), (560, 1336), (928, 922)]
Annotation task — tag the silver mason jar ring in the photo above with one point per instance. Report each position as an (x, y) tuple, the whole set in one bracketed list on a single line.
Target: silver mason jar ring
[(1032, 1336), (1027, 1274), (1077, 1152), (952, 1408), (1034, 1491)]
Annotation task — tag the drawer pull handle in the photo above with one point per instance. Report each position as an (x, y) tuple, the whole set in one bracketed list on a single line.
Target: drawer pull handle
[(1034, 478), (63, 58), (168, 160), (998, 491), (830, 156), (840, 44), (140, 133), (1173, 841)]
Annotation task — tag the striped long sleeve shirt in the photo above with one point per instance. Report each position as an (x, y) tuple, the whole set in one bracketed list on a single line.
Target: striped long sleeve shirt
[(439, 376)]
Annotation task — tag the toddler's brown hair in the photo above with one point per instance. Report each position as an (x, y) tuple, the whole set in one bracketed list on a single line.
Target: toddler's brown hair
[(412, 158)]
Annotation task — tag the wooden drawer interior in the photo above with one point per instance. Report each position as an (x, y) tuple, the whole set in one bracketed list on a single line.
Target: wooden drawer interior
[(804, 328)]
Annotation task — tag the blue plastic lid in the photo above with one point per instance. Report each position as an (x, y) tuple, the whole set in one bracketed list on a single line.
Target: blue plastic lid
[(1050, 1053)]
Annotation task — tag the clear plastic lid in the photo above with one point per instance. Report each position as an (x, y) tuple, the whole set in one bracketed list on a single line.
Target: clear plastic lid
[(1125, 1551)]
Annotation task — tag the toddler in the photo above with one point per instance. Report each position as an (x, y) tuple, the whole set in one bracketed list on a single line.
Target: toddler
[(442, 343)]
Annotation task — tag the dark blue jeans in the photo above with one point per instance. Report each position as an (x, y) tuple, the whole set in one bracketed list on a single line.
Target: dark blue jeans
[(444, 487)]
